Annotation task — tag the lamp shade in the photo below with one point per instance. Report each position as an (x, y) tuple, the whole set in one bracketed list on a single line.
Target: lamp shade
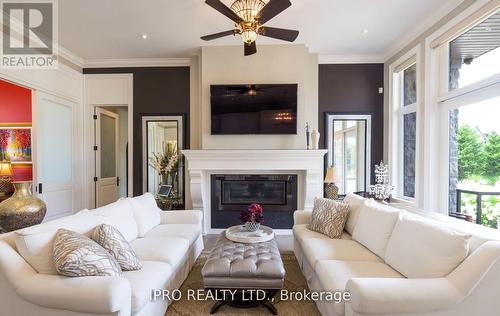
[(6, 169), (330, 175)]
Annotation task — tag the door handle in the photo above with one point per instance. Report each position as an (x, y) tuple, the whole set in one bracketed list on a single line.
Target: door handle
[(40, 187), (117, 181)]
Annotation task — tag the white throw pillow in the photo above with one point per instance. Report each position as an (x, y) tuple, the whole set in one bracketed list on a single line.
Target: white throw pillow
[(146, 213), (375, 225), (355, 202), (419, 248), (35, 243), (119, 215)]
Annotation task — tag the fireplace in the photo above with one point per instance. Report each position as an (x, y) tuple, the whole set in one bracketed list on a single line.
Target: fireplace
[(231, 193)]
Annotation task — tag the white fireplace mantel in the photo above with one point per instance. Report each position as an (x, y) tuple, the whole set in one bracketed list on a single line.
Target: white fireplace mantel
[(201, 164)]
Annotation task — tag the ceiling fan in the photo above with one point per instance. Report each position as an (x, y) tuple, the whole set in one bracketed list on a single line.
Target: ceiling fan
[(250, 17)]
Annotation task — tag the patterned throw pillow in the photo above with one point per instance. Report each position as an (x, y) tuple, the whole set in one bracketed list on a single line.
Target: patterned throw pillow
[(113, 241), (329, 217), (76, 255)]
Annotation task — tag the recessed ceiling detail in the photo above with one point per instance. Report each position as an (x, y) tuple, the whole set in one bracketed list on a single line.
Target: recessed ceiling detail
[(112, 29)]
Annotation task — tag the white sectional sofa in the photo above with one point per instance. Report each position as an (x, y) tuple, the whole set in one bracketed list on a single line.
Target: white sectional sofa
[(168, 243), (396, 263)]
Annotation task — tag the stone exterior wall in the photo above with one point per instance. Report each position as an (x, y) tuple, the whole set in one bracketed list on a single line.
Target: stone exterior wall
[(409, 147), (455, 66)]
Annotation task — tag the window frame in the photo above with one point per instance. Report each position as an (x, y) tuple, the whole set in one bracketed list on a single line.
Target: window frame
[(439, 100), (397, 111)]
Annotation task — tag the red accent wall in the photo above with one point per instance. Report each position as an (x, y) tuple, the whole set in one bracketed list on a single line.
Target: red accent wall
[(15, 109)]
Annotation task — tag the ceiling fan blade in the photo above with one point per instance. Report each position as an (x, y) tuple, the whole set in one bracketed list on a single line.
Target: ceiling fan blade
[(218, 35), (282, 34), (222, 8), (272, 9), (250, 49)]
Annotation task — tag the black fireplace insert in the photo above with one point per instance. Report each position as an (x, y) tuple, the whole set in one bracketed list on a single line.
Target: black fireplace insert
[(231, 193)]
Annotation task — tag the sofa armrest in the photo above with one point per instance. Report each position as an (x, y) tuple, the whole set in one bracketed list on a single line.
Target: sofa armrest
[(385, 296), (98, 295), (476, 271), (301, 217), (95, 295), (181, 217)]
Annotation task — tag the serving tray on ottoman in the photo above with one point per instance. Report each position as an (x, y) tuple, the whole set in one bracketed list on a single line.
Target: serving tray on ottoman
[(239, 234), (244, 268)]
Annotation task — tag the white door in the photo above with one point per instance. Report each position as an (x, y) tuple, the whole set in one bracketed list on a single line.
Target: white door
[(55, 154), (107, 160)]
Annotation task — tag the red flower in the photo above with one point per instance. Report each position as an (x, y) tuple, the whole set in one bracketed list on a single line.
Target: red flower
[(254, 212)]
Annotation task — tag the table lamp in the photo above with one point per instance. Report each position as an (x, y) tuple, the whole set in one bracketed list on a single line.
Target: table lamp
[(331, 190), (5, 180)]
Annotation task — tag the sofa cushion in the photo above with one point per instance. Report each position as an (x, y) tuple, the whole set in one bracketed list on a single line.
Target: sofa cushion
[(422, 249), (120, 215), (301, 232), (333, 275), (355, 202), (375, 225), (336, 249), (170, 250), (113, 241), (189, 231), (35, 244), (76, 255), (328, 217), (146, 213), (153, 275)]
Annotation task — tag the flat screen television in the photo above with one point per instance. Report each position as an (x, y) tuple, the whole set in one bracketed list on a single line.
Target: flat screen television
[(254, 109)]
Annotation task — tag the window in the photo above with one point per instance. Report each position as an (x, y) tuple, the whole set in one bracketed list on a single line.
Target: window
[(405, 118), (469, 110), (475, 162), (475, 55)]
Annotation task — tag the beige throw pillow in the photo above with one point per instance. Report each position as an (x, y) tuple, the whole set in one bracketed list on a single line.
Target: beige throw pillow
[(113, 241), (76, 255), (329, 217)]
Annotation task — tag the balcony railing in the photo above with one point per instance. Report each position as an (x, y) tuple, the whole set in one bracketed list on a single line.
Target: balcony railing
[(479, 211)]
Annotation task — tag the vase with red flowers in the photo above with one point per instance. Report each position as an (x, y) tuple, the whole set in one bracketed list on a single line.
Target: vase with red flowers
[(252, 217)]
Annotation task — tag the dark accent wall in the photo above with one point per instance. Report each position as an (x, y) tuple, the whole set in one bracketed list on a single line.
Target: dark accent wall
[(157, 91), (353, 89)]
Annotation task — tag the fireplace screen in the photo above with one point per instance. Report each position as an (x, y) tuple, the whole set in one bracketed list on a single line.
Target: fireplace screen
[(247, 192), (232, 193)]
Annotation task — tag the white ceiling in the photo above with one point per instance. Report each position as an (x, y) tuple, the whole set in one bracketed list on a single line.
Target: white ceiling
[(112, 29)]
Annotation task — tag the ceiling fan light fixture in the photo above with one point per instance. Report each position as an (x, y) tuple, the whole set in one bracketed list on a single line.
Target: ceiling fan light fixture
[(247, 9), (249, 17), (248, 35)]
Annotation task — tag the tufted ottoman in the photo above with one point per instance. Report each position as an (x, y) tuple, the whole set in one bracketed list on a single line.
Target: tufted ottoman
[(243, 269)]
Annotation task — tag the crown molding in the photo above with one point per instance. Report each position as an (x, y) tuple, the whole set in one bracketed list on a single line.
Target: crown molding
[(137, 62), (420, 29), (350, 59), (71, 57), (121, 63)]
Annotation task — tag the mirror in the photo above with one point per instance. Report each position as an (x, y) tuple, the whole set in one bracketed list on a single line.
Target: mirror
[(349, 143), (163, 165)]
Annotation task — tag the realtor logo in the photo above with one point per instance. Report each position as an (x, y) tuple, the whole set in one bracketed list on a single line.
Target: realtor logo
[(29, 32)]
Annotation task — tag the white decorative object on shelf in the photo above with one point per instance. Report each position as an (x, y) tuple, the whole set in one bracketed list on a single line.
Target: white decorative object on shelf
[(240, 234), (381, 190), (315, 135), (308, 132)]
